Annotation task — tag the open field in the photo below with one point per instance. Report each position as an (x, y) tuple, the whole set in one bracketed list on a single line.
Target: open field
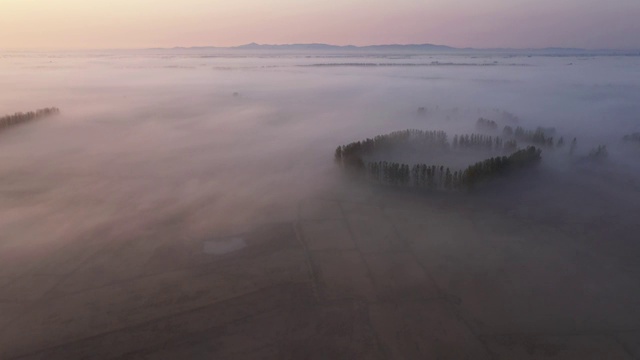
[(186, 206), (347, 279)]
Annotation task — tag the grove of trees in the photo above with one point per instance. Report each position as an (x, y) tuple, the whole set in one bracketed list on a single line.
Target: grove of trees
[(539, 136), (486, 124), (432, 176), (633, 137), (598, 153)]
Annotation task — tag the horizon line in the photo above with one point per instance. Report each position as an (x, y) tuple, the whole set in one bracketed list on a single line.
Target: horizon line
[(246, 46)]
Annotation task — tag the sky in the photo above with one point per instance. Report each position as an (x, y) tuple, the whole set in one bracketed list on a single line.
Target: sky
[(99, 24)]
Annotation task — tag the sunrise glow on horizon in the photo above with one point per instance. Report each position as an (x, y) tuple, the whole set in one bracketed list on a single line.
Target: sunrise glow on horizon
[(77, 24)]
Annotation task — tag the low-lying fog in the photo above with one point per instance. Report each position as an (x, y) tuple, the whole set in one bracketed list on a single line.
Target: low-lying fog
[(219, 142)]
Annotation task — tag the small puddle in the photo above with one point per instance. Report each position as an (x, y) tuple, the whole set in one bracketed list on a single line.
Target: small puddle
[(223, 245)]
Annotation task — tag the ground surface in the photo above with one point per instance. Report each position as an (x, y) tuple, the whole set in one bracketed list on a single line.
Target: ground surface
[(355, 277)]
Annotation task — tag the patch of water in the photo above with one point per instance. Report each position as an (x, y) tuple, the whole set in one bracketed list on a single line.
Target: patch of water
[(223, 245)]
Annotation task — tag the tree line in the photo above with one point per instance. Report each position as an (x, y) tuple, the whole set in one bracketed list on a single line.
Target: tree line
[(349, 154), (439, 177), (540, 136), (425, 140), (351, 157), (20, 117), (486, 142)]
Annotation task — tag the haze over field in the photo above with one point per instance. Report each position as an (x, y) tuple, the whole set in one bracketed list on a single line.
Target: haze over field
[(169, 193), (193, 196), (165, 132)]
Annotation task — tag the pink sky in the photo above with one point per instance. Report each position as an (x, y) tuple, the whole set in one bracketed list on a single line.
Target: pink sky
[(461, 23)]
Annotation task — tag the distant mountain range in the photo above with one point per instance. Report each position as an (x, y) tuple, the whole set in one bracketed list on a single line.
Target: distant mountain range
[(395, 48), (327, 47)]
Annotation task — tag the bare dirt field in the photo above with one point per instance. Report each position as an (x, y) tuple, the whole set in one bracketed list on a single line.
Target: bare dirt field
[(361, 276)]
